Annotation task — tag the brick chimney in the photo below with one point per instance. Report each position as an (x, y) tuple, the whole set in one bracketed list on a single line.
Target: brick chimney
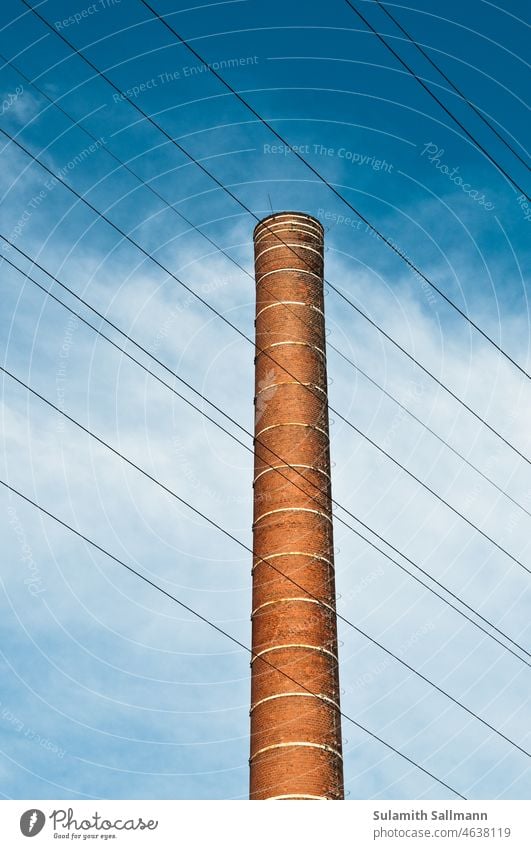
[(295, 720)]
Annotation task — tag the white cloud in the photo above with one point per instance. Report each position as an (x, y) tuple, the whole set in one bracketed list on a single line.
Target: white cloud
[(92, 618)]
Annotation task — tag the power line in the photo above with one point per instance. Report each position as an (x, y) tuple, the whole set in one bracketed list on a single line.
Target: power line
[(235, 539), (332, 188), (250, 450), (354, 626), (231, 194), (258, 442), (452, 84), (224, 633), (145, 184), (202, 300), (426, 371), (428, 90), (44, 399), (244, 336), (242, 268)]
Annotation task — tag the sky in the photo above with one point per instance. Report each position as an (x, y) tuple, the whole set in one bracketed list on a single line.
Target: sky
[(109, 689)]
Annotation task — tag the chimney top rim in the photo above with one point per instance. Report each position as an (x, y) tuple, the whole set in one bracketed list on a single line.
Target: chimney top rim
[(304, 216)]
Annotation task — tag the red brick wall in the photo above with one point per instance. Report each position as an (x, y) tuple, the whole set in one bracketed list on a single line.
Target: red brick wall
[(295, 736)]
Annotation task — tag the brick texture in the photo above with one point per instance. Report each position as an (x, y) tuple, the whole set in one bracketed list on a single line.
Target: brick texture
[(295, 735)]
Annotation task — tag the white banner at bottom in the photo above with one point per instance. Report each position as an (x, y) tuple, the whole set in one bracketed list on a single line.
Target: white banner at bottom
[(275, 825)]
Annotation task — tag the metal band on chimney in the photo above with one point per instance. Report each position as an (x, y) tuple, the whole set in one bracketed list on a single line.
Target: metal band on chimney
[(307, 744)]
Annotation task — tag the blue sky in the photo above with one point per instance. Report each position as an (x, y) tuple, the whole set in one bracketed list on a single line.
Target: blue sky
[(109, 690)]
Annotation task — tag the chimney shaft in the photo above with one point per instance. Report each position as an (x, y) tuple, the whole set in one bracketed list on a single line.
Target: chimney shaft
[(295, 735)]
